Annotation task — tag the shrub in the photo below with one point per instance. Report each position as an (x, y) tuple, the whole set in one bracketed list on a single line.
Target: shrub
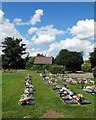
[(57, 69), (29, 63), (46, 67), (37, 67), (94, 71), (86, 67)]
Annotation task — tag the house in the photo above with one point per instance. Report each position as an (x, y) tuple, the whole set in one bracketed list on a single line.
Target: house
[(42, 60)]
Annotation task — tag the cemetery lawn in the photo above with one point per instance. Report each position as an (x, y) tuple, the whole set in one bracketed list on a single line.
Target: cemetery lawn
[(13, 84)]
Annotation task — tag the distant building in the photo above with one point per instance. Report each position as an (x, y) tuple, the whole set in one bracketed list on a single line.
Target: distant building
[(42, 60)]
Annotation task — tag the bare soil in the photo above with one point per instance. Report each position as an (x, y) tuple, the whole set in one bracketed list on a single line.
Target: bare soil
[(52, 114)]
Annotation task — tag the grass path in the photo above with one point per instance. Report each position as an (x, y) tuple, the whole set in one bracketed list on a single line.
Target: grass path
[(45, 99)]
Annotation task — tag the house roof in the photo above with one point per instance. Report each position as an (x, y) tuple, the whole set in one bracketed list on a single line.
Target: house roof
[(43, 60)]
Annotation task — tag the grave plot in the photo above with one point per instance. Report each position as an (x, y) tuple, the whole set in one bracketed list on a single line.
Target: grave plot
[(69, 97), (87, 85), (28, 97), (74, 80), (90, 89), (49, 79)]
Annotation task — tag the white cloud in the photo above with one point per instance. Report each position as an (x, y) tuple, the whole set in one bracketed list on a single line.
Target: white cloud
[(8, 29), (73, 44), (45, 35), (1, 16), (34, 19), (32, 30), (18, 21), (43, 39), (34, 52), (84, 29)]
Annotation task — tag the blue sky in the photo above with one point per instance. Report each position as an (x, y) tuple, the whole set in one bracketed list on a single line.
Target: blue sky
[(62, 15), (72, 18)]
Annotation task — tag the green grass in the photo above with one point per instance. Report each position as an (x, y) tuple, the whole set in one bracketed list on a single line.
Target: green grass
[(13, 84), (0, 94)]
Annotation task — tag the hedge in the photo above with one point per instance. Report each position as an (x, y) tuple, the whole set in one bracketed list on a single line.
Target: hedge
[(57, 69), (86, 67)]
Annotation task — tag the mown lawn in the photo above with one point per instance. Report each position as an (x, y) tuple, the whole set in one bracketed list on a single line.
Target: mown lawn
[(13, 84)]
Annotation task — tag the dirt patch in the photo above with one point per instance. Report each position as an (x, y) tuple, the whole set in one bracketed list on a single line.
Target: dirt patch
[(52, 114)]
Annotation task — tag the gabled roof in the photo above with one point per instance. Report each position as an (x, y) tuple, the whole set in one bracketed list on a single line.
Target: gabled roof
[(43, 60)]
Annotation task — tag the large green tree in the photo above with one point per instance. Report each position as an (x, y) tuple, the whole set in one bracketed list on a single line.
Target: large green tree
[(72, 60), (29, 62), (93, 58), (13, 50)]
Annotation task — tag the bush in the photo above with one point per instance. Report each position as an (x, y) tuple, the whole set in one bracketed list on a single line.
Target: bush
[(86, 67), (29, 63), (57, 69), (37, 67), (46, 67), (94, 71)]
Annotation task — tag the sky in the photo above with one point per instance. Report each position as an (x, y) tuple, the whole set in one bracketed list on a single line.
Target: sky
[(48, 27)]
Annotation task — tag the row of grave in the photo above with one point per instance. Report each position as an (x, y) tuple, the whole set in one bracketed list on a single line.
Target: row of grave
[(28, 96), (83, 81), (68, 96), (50, 79), (74, 80)]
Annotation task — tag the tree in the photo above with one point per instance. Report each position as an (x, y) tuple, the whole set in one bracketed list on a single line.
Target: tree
[(41, 55), (93, 58), (72, 60), (13, 51), (30, 62), (53, 60)]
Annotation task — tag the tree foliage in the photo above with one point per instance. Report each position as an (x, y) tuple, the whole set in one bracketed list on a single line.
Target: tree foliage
[(86, 66), (13, 51), (93, 58), (40, 55), (57, 69), (94, 72), (72, 60), (29, 63)]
